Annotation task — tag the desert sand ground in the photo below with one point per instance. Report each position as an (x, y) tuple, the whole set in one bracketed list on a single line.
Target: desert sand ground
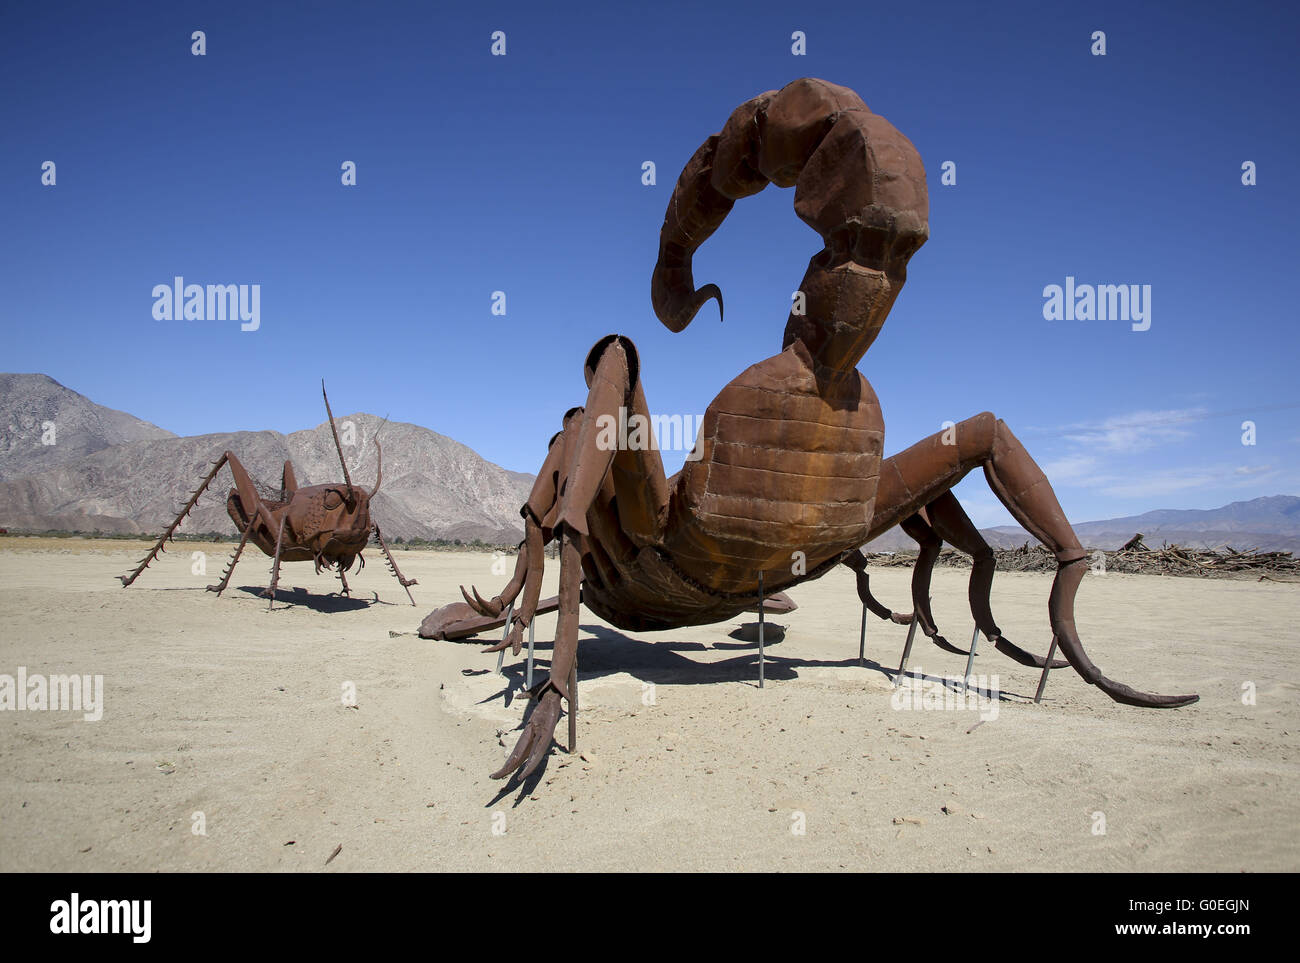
[(215, 706)]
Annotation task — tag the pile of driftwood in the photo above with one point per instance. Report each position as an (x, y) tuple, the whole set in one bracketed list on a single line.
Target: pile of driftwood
[(1134, 556)]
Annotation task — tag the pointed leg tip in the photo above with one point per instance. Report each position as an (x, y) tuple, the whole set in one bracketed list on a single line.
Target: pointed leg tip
[(535, 760), (1166, 702), (1022, 657), (1125, 695), (947, 646)]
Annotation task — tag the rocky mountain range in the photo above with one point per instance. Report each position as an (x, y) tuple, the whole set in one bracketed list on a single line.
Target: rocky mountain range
[(1270, 524), (44, 424), (110, 472)]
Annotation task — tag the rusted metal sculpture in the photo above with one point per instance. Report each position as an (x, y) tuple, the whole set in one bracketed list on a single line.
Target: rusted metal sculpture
[(945, 520), (788, 464), (327, 524)]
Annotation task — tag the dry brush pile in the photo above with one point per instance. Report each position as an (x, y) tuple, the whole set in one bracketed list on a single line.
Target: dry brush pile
[(1134, 556)]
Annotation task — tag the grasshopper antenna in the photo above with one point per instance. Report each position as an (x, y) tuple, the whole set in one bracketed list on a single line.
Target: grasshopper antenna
[(379, 474), (337, 444)]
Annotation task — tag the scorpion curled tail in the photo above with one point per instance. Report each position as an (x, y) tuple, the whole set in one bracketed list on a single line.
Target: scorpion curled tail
[(858, 182)]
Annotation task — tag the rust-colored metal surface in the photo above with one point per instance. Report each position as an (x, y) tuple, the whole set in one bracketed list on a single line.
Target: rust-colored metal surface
[(328, 524), (790, 477)]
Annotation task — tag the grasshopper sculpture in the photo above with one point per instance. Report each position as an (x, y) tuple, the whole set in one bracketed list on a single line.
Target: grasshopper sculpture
[(789, 461), (327, 524)]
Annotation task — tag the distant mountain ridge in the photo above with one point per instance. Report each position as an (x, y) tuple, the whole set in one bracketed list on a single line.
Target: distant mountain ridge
[(110, 472), (28, 402), (1270, 523)]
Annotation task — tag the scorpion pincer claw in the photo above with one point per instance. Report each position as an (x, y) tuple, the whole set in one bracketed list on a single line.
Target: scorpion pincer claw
[(493, 608), (535, 741), (513, 641), (478, 604)]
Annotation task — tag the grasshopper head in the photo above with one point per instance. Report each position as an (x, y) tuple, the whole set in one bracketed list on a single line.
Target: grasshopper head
[(344, 522)]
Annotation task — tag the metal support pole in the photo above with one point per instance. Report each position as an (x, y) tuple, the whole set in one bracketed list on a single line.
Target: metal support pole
[(528, 679), (862, 637), (501, 656), (761, 653), (907, 652), (970, 660), (1047, 667), (573, 705)]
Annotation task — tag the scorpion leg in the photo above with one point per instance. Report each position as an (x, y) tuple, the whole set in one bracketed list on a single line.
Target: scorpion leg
[(944, 520), (950, 521), (858, 562), (532, 557), (535, 741), (930, 546), (613, 384), (540, 500), (917, 476), (533, 562)]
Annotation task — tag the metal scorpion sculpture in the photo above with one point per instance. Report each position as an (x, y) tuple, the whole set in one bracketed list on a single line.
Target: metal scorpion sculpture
[(327, 524), (789, 455)]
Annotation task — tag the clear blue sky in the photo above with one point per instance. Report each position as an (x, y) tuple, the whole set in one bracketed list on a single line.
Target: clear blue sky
[(522, 174)]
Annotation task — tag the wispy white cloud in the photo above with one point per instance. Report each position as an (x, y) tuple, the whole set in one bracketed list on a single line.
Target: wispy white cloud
[(1171, 480), (1072, 468), (1135, 431), (1144, 459)]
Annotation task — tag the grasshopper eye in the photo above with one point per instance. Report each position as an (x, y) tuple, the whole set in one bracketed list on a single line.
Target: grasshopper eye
[(332, 500)]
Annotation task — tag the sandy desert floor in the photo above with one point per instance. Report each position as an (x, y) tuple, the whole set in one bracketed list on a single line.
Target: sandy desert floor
[(222, 716)]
